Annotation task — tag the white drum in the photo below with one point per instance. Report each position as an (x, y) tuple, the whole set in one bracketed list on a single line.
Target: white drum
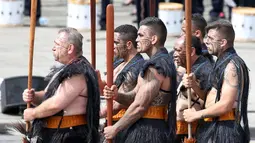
[(11, 12), (171, 14), (243, 21), (79, 14)]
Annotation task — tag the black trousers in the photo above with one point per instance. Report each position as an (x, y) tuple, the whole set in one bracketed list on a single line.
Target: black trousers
[(143, 9), (28, 8), (104, 4), (194, 7), (217, 8)]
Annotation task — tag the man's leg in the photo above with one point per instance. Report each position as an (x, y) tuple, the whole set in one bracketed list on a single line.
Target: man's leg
[(199, 6), (38, 12), (102, 21), (194, 5), (217, 11), (140, 10), (27, 7)]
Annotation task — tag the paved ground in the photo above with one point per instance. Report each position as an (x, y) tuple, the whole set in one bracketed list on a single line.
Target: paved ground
[(15, 42)]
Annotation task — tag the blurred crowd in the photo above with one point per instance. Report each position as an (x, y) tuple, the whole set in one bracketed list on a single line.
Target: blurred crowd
[(142, 8)]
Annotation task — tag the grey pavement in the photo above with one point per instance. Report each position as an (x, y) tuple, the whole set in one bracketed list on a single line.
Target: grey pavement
[(14, 48)]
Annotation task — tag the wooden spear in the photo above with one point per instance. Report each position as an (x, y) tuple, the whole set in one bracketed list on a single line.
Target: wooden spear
[(152, 7), (109, 58), (31, 52), (188, 57), (93, 32)]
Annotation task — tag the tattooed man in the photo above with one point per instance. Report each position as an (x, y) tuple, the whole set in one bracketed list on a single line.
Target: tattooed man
[(154, 95), (225, 114), (126, 68)]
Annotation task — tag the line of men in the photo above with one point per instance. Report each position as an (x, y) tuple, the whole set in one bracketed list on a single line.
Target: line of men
[(150, 96)]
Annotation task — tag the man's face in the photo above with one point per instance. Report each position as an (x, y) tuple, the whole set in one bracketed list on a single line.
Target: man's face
[(213, 42), (144, 39), (60, 48), (183, 32), (180, 53), (120, 47)]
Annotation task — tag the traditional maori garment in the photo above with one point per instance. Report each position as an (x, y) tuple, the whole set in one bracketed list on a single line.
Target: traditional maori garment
[(133, 69), (201, 68), (53, 70), (78, 128), (155, 126), (117, 62), (233, 126)]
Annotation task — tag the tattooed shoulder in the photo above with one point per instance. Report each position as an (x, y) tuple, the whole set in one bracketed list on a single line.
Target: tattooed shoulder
[(129, 83), (230, 75), (152, 74)]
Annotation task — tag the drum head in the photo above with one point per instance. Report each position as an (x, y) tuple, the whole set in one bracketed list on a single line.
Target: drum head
[(244, 10), (170, 6)]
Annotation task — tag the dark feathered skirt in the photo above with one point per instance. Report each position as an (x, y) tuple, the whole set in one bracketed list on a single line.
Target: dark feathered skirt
[(77, 134), (147, 131), (220, 132)]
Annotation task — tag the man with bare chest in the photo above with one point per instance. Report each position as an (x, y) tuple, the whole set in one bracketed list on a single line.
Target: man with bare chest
[(125, 72), (201, 68), (154, 95), (68, 109), (225, 114)]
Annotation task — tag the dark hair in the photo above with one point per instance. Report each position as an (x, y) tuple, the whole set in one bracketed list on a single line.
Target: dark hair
[(127, 33), (157, 26), (199, 23), (224, 28), (195, 43)]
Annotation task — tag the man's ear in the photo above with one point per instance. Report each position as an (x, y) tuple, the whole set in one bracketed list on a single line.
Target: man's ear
[(129, 44), (224, 42), (193, 51), (154, 39), (70, 48), (198, 33)]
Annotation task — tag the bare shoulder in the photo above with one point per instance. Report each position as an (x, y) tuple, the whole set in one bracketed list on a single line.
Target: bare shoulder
[(230, 75), (76, 81)]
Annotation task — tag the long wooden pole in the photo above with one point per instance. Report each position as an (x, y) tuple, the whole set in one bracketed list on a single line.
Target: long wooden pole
[(31, 49), (188, 53), (93, 32), (152, 7), (109, 54)]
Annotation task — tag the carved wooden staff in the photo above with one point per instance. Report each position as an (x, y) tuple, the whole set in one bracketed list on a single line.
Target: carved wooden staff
[(109, 58), (31, 52), (93, 32), (152, 7), (188, 56)]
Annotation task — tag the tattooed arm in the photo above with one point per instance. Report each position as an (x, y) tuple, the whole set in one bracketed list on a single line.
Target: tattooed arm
[(149, 89), (228, 96), (126, 98), (127, 90)]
